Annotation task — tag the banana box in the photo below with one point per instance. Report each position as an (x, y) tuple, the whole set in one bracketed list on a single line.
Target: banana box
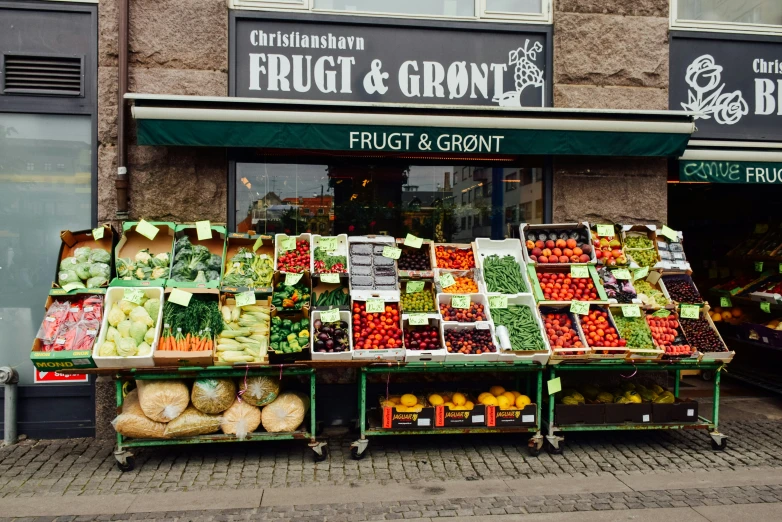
[(457, 410), (401, 412)]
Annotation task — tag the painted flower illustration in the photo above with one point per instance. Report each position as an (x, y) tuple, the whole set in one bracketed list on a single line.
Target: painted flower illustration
[(706, 98)]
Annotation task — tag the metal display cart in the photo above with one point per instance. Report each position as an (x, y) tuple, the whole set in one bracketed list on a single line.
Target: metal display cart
[(370, 428), (718, 440)]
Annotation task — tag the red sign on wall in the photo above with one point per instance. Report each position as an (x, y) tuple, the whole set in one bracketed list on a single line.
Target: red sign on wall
[(49, 377)]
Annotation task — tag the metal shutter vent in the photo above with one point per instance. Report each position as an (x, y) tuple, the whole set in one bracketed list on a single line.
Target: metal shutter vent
[(52, 75)]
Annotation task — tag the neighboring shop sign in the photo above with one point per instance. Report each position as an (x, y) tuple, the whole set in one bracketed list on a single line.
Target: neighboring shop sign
[(755, 173), (47, 377), (736, 84), (303, 60)]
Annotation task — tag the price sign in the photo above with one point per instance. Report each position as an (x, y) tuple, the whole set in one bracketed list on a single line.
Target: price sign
[(147, 230), (662, 313), (725, 302), (579, 307), (780, 268), (640, 273), (761, 228), (392, 252), (376, 306), (758, 266), (330, 316), (71, 286), (669, 233), (605, 230), (689, 311), (258, 244), (413, 287), (287, 244), (631, 310), (447, 280), (622, 273), (413, 241), (292, 279), (204, 230), (133, 295), (97, 233), (329, 278), (417, 320), (498, 301), (766, 307), (180, 297), (579, 271), (328, 243), (554, 386), (460, 301), (245, 299)]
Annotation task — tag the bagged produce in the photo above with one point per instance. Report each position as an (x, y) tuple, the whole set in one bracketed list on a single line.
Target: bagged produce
[(163, 401), (213, 395), (191, 423), (284, 414), (240, 419), (133, 423), (260, 391)]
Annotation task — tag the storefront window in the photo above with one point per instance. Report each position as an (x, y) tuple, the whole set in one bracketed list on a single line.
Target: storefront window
[(407, 7), (514, 6), (392, 199), (36, 203), (762, 16)]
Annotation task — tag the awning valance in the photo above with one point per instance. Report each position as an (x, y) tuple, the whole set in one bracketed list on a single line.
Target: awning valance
[(238, 122)]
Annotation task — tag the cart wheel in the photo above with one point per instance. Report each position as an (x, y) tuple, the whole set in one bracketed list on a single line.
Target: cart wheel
[(707, 375), (534, 451), (552, 450), (128, 465), (356, 455), (719, 447), (324, 454)]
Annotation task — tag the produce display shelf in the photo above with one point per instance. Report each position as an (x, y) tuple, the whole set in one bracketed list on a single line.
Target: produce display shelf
[(718, 440), (755, 344), (767, 381), (519, 368), (125, 459)]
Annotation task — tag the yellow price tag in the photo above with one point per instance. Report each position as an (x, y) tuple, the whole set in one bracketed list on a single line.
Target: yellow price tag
[(605, 230), (413, 287), (498, 301), (292, 279), (689, 311), (245, 298), (97, 233), (579, 272), (329, 278), (447, 280), (330, 316), (417, 320), (376, 306), (392, 252), (460, 301), (622, 273), (579, 307), (554, 386), (413, 241)]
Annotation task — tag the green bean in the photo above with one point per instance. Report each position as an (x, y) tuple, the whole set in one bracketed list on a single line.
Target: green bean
[(503, 275), (523, 330)]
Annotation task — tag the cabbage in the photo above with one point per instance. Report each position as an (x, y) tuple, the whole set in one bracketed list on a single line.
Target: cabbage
[(82, 254), (153, 309), (144, 349), (100, 269), (124, 328), (127, 306), (143, 257), (138, 330), (116, 315), (68, 276), (83, 271), (100, 256), (96, 282), (69, 263), (107, 349), (127, 347), (139, 314), (112, 334), (149, 337)]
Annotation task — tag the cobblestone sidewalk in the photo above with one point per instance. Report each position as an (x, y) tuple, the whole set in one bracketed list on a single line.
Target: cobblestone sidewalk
[(86, 466), (462, 507)]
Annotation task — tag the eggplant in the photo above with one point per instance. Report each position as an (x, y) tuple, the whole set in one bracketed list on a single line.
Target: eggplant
[(323, 336), (339, 334), (317, 324), (319, 346), (343, 325), (330, 345)]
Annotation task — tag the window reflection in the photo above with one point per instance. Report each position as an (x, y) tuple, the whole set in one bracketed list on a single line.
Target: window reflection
[(768, 12)]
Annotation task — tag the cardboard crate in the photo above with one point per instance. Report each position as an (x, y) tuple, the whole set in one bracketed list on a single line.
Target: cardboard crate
[(70, 241), (582, 228), (235, 242), (131, 242), (279, 278), (628, 413), (565, 414), (724, 356), (655, 279), (650, 231), (63, 359), (180, 358), (216, 245), (426, 247), (565, 354), (635, 353), (496, 417), (380, 354), (618, 236), (342, 250), (669, 276), (319, 288), (680, 411), (614, 352), (393, 419), (230, 299), (445, 417)]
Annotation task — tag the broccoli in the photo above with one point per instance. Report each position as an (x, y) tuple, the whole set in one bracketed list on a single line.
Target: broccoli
[(192, 263)]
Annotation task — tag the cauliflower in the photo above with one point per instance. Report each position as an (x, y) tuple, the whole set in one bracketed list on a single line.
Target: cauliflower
[(116, 314), (107, 349), (124, 328), (153, 309), (127, 347), (127, 306), (144, 349), (138, 330), (149, 337), (113, 335), (143, 257), (159, 272), (161, 259), (139, 314)]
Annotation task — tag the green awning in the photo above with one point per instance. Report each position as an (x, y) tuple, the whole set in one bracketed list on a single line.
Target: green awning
[(233, 122), (749, 167)]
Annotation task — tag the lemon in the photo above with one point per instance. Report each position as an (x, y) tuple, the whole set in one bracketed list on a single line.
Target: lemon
[(515, 394), (483, 396), (459, 399), (435, 400), (490, 401), (496, 390), (387, 404), (408, 399), (394, 399), (469, 405), (509, 395), (503, 402), (416, 408), (402, 409), (522, 401), (449, 404)]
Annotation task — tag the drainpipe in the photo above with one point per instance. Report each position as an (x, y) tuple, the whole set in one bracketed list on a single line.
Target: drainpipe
[(121, 182), (9, 378)]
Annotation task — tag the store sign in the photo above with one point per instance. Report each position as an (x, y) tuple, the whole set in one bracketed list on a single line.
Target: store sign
[(736, 85), (730, 172), (42, 377), (304, 60)]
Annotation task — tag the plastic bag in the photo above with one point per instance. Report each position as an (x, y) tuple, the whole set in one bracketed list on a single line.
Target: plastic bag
[(134, 424), (68, 276), (74, 312), (240, 419), (163, 401), (213, 395), (52, 320), (86, 332), (65, 337), (260, 391), (100, 270), (193, 422), (100, 256), (93, 308), (285, 414)]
